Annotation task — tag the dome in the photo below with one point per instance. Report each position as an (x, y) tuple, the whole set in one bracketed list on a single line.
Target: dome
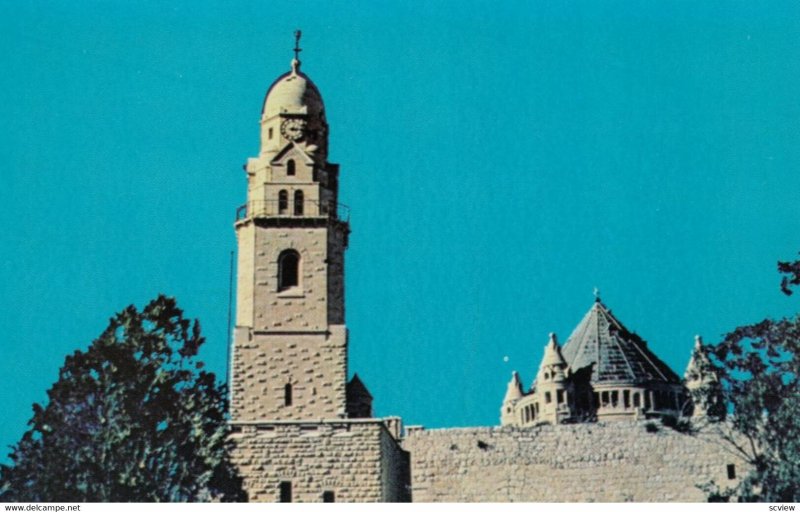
[(293, 93)]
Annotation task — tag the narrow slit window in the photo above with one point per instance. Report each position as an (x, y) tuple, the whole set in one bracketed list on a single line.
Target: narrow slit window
[(298, 202), (560, 396), (636, 400), (283, 202), (547, 397), (286, 492), (626, 399), (290, 168), (731, 471), (287, 395)]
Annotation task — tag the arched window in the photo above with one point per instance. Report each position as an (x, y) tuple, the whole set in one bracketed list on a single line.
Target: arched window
[(298, 202), (290, 168), (287, 395), (288, 269), (283, 202)]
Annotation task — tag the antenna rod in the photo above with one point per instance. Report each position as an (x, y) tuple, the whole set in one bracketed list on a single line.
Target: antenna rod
[(229, 333)]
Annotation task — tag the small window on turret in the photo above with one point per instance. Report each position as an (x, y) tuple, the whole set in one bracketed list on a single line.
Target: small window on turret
[(290, 169), (560, 396), (547, 397), (269, 134), (626, 398)]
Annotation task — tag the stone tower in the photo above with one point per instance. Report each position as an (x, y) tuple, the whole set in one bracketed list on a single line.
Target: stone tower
[(302, 432), (290, 348)]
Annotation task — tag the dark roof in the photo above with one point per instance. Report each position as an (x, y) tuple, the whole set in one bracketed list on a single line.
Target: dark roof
[(357, 388), (618, 355)]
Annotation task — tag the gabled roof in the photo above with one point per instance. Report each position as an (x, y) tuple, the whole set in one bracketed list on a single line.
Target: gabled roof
[(617, 355), (292, 149)]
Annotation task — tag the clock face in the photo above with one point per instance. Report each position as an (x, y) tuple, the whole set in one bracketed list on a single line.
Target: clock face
[(293, 129)]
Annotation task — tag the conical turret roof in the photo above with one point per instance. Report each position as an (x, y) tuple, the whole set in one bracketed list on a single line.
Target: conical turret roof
[(514, 390), (617, 355), (699, 360), (552, 353)]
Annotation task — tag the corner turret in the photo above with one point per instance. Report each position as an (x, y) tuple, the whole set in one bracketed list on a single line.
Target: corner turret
[(513, 393), (702, 384), (552, 385)]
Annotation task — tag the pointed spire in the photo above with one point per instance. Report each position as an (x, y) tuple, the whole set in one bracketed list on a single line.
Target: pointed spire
[(694, 374), (553, 367), (552, 352), (514, 390)]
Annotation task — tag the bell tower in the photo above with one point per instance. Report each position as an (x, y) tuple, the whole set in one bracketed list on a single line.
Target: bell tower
[(290, 342)]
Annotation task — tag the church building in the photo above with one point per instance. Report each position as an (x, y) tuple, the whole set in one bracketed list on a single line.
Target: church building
[(603, 373), (587, 429)]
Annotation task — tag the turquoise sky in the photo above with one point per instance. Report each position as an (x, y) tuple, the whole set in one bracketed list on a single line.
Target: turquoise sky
[(500, 160)]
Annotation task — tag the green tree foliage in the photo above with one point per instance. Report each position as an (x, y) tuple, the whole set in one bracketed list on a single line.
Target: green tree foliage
[(791, 275), (133, 418), (757, 367)]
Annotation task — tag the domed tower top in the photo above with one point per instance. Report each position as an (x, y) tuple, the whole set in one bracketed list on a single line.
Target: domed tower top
[(293, 112), (293, 93)]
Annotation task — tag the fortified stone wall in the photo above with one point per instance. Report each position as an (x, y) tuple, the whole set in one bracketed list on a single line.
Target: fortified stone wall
[(596, 462), (357, 460), (395, 470)]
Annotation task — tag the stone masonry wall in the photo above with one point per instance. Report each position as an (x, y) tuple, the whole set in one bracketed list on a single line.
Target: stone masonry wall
[(304, 307), (314, 364), (395, 470), (346, 457), (597, 462)]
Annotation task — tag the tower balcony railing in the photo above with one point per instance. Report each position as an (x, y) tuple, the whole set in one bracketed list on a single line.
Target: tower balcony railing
[(309, 208)]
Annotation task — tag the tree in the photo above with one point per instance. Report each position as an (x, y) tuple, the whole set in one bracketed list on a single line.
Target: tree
[(791, 271), (134, 418), (758, 367)]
